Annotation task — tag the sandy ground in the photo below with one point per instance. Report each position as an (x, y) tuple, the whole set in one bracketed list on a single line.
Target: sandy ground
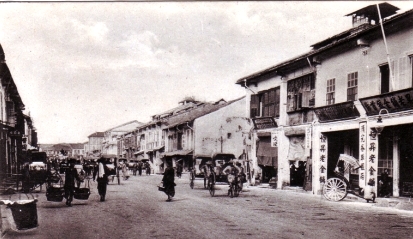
[(136, 209)]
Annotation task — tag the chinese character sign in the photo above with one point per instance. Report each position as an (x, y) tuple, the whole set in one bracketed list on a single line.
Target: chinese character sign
[(362, 153), (308, 138), (323, 157), (274, 139)]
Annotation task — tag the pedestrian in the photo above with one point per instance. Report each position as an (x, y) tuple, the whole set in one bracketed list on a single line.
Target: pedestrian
[(148, 168), (102, 178), (70, 175), (140, 168), (206, 169), (125, 172), (385, 184), (179, 169), (168, 181), (134, 168)]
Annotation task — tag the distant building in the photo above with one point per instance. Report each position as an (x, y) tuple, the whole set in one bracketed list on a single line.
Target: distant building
[(95, 144), (112, 136)]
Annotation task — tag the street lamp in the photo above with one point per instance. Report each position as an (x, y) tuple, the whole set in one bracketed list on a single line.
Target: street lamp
[(221, 130), (379, 128)]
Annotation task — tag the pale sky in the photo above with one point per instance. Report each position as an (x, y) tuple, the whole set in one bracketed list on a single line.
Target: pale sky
[(83, 67)]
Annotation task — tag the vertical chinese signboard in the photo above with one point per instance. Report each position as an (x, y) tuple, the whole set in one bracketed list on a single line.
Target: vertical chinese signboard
[(362, 153), (307, 141), (323, 158), (372, 156), (274, 139)]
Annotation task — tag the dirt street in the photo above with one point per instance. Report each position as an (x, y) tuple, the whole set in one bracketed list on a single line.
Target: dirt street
[(136, 209)]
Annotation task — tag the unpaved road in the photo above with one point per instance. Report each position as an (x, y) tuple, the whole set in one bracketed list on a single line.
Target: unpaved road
[(136, 209)]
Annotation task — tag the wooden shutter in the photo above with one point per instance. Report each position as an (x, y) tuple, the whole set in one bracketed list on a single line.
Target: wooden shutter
[(254, 106)]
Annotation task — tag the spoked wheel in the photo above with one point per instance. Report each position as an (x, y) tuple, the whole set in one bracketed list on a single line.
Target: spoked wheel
[(335, 189), (211, 184), (236, 190), (232, 191), (191, 184)]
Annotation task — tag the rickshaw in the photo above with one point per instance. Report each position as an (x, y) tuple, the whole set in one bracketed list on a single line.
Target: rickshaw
[(199, 162), (337, 188), (219, 162), (34, 173)]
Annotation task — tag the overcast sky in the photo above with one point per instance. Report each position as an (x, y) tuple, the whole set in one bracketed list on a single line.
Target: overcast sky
[(82, 67)]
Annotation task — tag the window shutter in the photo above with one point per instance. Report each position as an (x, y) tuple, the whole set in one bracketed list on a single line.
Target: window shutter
[(254, 106), (277, 102), (403, 72), (306, 99)]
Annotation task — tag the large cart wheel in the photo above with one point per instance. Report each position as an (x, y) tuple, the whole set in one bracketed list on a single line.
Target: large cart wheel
[(232, 191), (335, 189), (191, 180), (211, 184), (236, 190)]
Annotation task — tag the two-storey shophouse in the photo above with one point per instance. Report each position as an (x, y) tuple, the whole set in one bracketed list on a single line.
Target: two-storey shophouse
[(204, 130), (350, 95), (12, 123), (364, 100), (112, 136)]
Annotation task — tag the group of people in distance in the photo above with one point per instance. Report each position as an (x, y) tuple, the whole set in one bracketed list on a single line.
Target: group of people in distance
[(139, 166)]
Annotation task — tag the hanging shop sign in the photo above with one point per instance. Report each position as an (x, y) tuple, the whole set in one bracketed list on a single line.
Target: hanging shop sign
[(395, 101), (264, 123), (341, 111), (274, 139)]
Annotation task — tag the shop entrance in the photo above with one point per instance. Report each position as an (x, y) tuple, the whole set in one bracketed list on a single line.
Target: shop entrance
[(341, 142), (297, 173), (405, 139)]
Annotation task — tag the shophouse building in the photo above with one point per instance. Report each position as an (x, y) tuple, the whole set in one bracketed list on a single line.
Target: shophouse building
[(12, 123), (151, 137), (351, 94), (112, 136), (203, 130), (94, 145), (170, 136)]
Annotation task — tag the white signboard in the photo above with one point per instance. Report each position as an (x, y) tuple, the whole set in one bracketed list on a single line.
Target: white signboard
[(274, 139)]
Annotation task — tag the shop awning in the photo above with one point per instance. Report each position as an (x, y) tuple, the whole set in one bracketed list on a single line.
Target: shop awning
[(295, 130), (159, 148), (267, 155), (296, 151), (155, 149), (139, 152), (176, 153)]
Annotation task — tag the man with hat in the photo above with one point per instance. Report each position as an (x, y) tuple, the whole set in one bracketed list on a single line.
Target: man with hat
[(207, 170), (102, 178), (70, 176)]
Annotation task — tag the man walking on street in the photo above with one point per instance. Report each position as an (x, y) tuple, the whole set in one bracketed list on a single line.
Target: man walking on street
[(102, 178), (70, 176)]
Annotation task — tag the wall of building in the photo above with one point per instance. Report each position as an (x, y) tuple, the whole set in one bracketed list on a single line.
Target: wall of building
[(229, 123), (400, 45)]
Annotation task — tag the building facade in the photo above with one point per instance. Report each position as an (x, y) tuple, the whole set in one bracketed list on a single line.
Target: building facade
[(94, 144), (345, 96), (15, 129)]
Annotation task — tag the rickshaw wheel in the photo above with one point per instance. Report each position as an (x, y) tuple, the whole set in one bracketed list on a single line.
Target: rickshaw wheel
[(335, 189), (231, 192), (211, 184), (236, 190), (191, 184)]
